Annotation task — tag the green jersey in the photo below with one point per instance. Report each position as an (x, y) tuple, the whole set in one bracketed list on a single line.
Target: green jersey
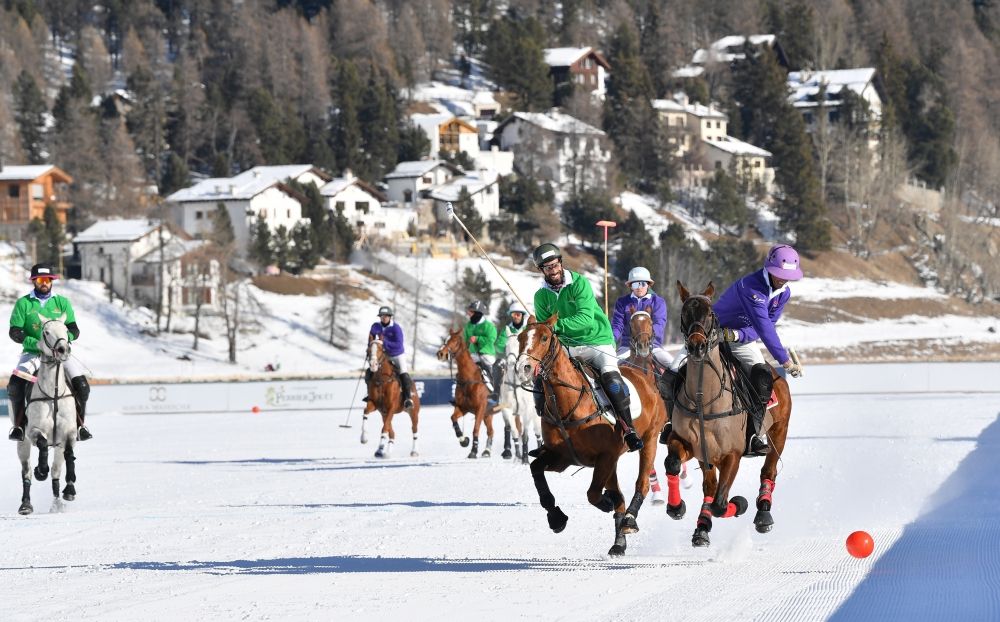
[(486, 335), (29, 313), (508, 331), (581, 321)]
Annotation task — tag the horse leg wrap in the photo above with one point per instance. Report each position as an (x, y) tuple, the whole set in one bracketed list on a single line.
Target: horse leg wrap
[(458, 430), (70, 464), (764, 495), (673, 490), (705, 517)]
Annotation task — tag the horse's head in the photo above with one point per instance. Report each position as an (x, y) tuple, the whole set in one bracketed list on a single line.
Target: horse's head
[(538, 347), (699, 325), (55, 339), (640, 325), (451, 346), (375, 352)]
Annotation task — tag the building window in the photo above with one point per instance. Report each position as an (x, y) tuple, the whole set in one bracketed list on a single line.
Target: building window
[(718, 124), (339, 206), (427, 179), (38, 192), (407, 196), (198, 215), (14, 191), (449, 139), (361, 206), (289, 213), (718, 165)]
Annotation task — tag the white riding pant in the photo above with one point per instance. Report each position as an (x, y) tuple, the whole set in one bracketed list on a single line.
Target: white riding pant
[(400, 363), (601, 357), (661, 356), (29, 363), (747, 353), (485, 359)]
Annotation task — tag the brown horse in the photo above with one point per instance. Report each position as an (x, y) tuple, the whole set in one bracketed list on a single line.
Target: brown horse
[(386, 396), (577, 433), (710, 424), (471, 393)]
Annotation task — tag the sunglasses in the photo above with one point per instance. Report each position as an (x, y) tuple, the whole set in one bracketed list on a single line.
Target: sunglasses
[(44, 280), (639, 284), (551, 267)]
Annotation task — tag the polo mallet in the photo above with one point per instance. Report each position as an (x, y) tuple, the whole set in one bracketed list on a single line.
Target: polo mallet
[(792, 354), (350, 407), (451, 212)]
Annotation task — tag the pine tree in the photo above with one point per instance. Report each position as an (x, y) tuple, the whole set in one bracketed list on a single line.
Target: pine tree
[(637, 247), (582, 211), (476, 286), (378, 118), (48, 235), (725, 205), (175, 175), (304, 253), (515, 54), (281, 246), (30, 111), (467, 211), (346, 129), (261, 248), (146, 120), (222, 227)]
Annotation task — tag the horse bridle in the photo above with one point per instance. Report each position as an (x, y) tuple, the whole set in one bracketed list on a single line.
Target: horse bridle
[(383, 361), (51, 346), (646, 333), (709, 332)]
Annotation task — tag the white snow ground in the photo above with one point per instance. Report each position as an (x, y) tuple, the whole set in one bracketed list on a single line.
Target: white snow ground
[(285, 515)]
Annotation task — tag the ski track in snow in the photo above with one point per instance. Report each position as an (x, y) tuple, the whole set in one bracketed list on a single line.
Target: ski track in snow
[(284, 514)]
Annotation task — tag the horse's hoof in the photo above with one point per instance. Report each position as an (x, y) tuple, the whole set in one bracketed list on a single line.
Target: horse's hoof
[(629, 525), (557, 520), (472, 455), (380, 454), (487, 453), (677, 512), (506, 455), (741, 505), (25, 509), (700, 538), (763, 522), (606, 504), (464, 441), (364, 439), (41, 475), (617, 550)]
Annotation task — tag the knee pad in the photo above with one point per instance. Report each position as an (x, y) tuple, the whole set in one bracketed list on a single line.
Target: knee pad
[(81, 388)]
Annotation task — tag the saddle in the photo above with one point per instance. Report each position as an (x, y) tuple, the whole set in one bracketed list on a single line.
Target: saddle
[(601, 399)]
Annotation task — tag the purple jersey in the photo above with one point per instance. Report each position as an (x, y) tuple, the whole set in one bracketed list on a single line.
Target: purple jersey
[(751, 309), (652, 304), (391, 335)]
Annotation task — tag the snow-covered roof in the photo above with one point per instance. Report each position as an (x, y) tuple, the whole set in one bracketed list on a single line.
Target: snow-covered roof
[(339, 184), (246, 185), (805, 85), (728, 49), (415, 168), (24, 172), (688, 71), (117, 230), (555, 121), (736, 146), (706, 112), (484, 98), (564, 57), (174, 248), (668, 105), (474, 183)]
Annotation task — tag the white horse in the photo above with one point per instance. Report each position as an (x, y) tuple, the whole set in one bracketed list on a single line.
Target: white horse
[(51, 418), (517, 406)]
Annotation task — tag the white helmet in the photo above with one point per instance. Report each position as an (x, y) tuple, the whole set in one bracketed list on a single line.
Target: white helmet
[(516, 307), (639, 274)]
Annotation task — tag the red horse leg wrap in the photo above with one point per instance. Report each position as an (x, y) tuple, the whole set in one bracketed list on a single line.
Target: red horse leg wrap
[(766, 488), (673, 491), (706, 509), (730, 511)]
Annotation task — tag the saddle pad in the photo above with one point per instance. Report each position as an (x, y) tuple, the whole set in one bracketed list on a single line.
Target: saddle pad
[(634, 403), (771, 403)]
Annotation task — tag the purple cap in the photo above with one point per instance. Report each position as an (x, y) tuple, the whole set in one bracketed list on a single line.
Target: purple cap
[(783, 262)]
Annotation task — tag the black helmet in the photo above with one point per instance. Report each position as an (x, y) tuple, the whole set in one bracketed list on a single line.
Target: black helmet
[(544, 253), (385, 311), (477, 306)]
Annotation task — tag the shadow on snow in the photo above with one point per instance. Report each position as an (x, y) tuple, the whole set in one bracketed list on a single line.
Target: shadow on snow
[(946, 564)]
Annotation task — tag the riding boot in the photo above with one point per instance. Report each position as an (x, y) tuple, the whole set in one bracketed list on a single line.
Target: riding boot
[(368, 381), (81, 393), (498, 369), (614, 386), (407, 383), (488, 374), (763, 383), (668, 384), (16, 392)]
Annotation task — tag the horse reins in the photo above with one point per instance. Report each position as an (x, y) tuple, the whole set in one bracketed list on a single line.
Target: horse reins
[(47, 359)]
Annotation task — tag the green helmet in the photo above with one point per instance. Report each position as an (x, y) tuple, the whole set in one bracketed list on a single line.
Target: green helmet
[(385, 311), (544, 253)]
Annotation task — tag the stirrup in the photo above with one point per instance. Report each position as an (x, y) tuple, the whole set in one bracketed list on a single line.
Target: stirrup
[(758, 446), (84, 433), (632, 441), (16, 434)]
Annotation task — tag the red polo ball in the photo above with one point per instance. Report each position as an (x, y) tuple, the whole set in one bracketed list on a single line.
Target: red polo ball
[(860, 544), (255, 409)]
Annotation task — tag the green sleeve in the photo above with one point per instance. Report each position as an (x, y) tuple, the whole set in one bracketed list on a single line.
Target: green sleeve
[(18, 318), (70, 315), (543, 310), (580, 321), (501, 343), (466, 333), (491, 336)]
